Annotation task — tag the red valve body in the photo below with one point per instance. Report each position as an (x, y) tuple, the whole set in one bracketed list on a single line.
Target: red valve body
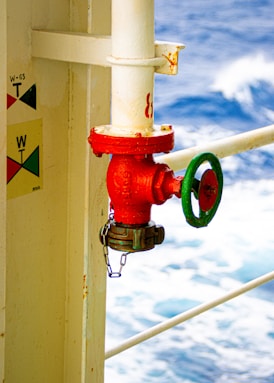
[(135, 183)]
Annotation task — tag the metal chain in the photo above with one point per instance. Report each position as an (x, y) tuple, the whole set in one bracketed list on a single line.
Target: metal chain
[(123, 259)]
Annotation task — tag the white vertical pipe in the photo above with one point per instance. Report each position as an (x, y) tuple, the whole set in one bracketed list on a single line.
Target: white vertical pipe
[(132, 85)]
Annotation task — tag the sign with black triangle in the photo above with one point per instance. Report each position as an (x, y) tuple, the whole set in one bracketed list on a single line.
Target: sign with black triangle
[(24, 158), (28, 98)]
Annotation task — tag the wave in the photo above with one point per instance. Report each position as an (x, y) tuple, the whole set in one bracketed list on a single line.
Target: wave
[(239, 98), (237, 79), (248, 106), (211, 108), (197, 266)]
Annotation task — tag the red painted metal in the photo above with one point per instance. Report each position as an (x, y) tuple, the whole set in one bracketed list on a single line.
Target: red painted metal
[(138, 144), (135, 183), (149, 107), (208, 190)]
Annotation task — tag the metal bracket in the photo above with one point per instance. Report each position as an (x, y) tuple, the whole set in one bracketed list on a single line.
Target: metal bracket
[(96, 50), (71, 47), (169, 51)]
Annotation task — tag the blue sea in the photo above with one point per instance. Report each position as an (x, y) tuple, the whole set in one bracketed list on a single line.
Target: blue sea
[(225, 86)]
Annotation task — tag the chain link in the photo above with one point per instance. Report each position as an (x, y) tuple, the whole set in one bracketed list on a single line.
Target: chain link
[(123, 259)]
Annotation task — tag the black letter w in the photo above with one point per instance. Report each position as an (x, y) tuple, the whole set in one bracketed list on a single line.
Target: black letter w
[(21, 141)]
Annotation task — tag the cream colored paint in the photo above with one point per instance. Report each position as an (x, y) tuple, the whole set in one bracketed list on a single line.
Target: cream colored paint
[(36, 223), (71, 47), (3, 123), (132, 86), (55, 271)]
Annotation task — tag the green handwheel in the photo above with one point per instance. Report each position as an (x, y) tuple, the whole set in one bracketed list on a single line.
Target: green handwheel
[(208, 190)]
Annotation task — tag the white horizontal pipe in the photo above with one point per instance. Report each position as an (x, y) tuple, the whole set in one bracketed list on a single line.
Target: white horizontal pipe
[(221, 148), (71, 47), (168, 324)]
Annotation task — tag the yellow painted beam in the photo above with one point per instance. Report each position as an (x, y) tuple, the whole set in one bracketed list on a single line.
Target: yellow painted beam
[(71, 47), (36, 220), (3, 124), (56, 276)]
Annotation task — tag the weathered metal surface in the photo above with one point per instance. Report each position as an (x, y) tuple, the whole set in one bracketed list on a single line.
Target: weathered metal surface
[(134, 238), (135, 183), (104, 140), (170, 51)]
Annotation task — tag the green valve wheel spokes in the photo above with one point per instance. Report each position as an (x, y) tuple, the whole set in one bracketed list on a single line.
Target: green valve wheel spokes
[(208, 190)]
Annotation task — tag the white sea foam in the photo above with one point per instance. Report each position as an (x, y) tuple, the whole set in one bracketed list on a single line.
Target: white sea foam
[(234, 79), (197, 265)]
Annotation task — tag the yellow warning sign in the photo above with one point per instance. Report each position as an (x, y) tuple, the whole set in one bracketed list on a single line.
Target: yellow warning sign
[(24, 158)]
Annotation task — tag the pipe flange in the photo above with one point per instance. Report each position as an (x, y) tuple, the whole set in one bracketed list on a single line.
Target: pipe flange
[(105, 139)]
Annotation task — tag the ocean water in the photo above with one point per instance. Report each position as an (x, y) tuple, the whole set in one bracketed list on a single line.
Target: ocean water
[(225, 86)]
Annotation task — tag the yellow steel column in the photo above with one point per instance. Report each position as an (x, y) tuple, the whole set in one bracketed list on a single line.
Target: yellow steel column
[(99, 23), (37, 138), (87, 206), (3, 124), (87, 212), (57, 200)]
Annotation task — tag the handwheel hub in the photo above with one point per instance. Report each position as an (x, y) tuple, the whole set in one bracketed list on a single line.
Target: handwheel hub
[(208, 190)]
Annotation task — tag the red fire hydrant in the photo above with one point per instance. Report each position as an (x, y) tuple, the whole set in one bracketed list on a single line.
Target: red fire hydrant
[(135, 182)]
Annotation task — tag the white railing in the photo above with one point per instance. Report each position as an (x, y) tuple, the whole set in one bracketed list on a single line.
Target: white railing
[(177, 161), (189, 314), (221, 148)]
